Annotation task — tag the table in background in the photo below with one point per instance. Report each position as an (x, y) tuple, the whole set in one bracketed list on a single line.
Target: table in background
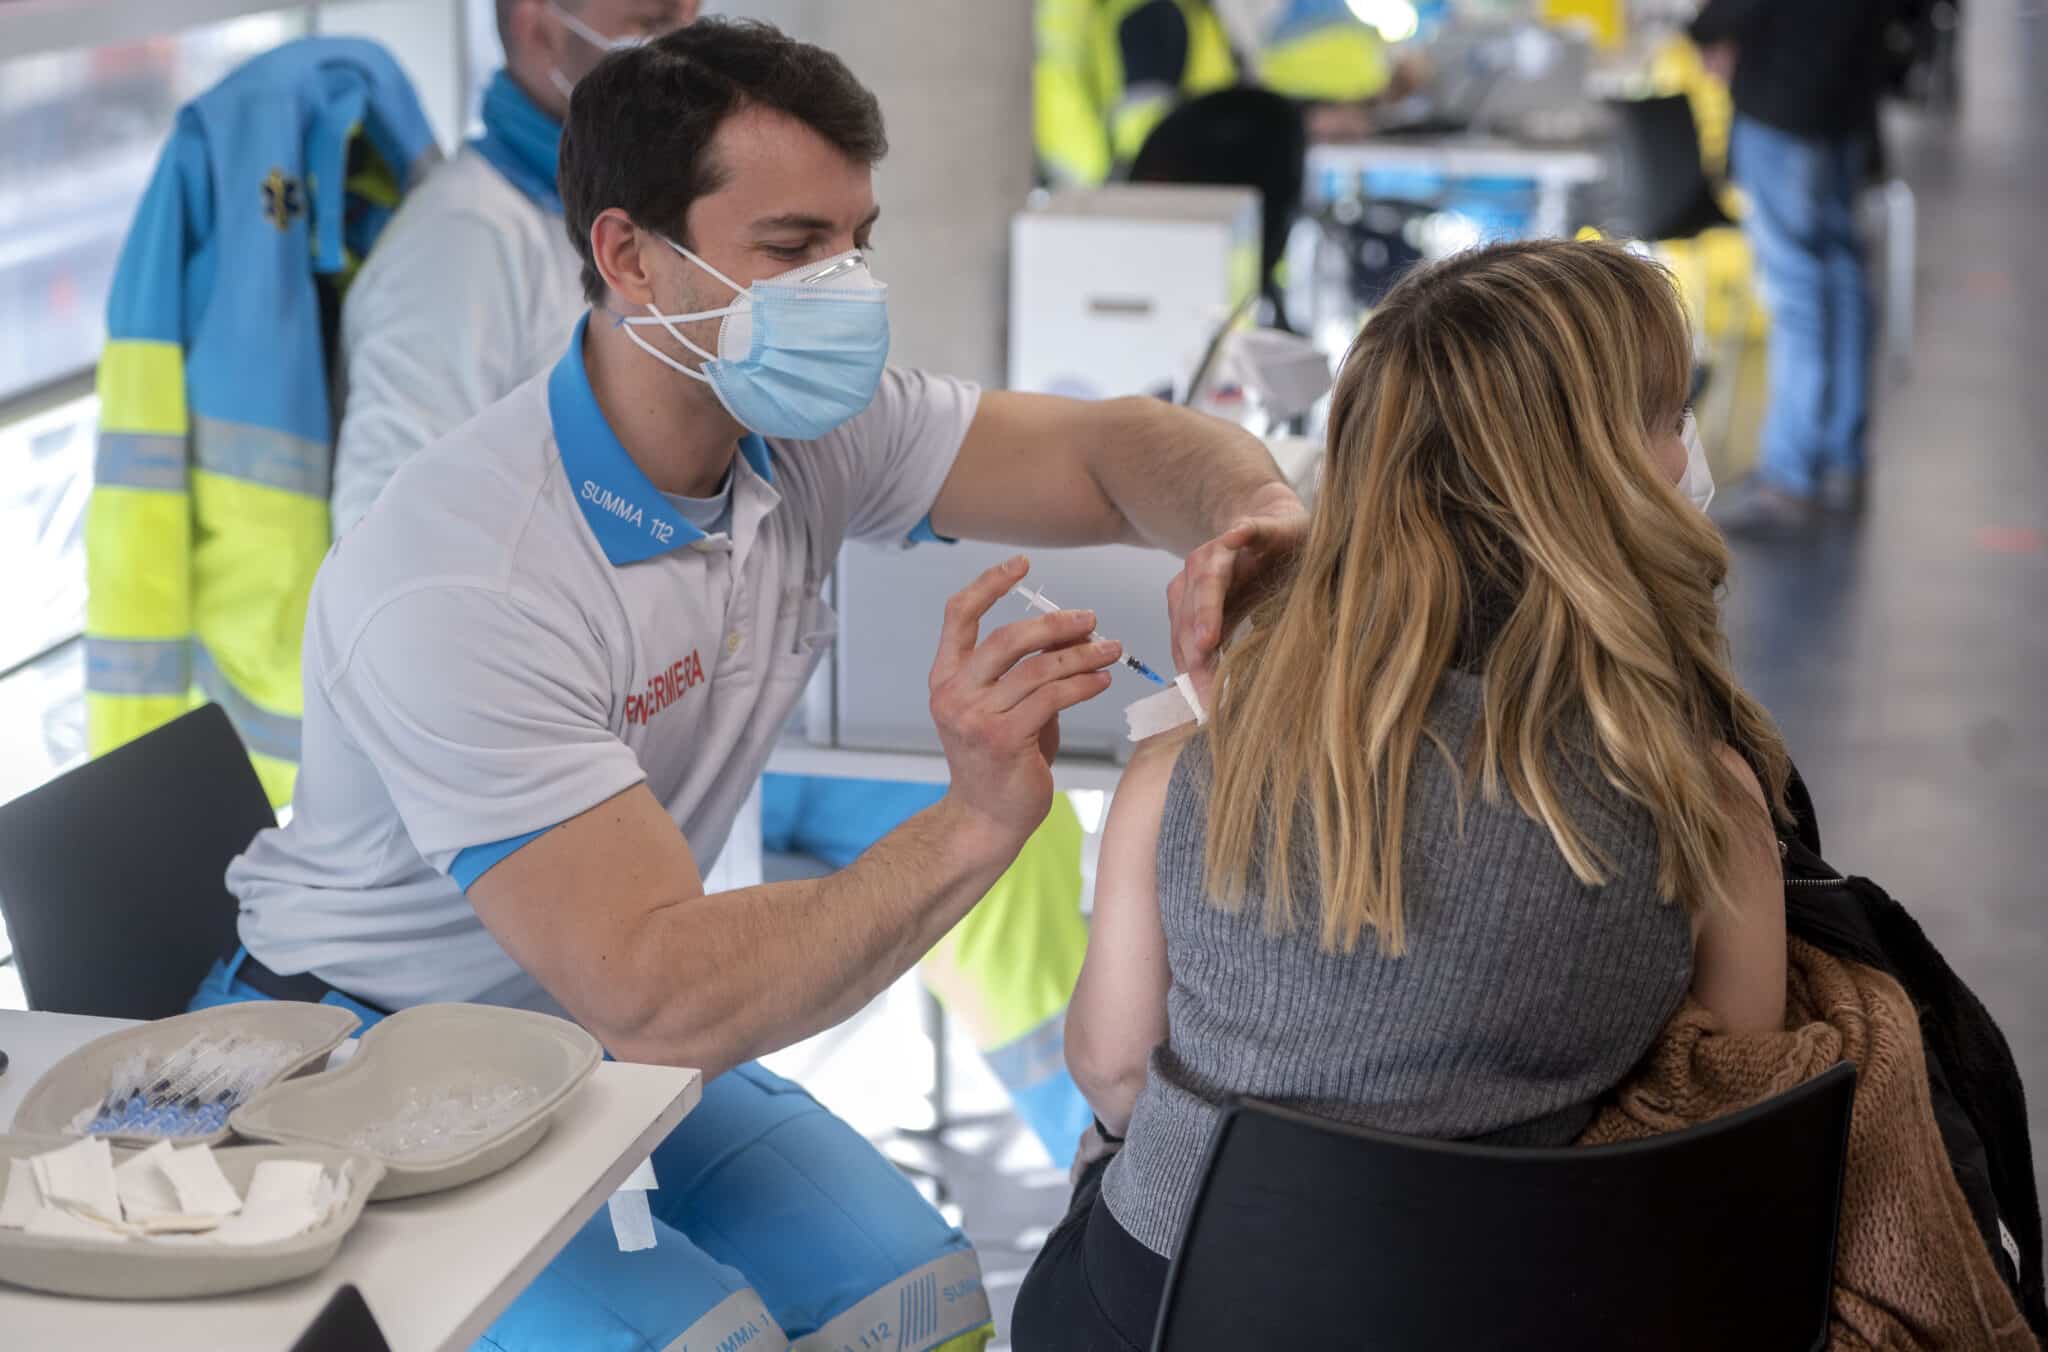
[(435, 1270), (1556, 168)]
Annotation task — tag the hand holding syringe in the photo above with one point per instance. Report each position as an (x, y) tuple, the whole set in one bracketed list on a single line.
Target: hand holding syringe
[(1038, 602)]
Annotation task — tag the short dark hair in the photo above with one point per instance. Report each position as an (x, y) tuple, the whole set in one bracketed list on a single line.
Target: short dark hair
[(641, 122)]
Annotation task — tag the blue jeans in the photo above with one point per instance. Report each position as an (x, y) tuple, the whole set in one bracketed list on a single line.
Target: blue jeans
[(1802, 226), (776, 1227)]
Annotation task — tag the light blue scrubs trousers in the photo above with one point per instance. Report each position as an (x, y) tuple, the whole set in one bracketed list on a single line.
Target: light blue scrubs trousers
[(776, 1226)]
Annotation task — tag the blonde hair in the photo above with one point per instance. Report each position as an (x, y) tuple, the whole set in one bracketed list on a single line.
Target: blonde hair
[(1491, 436)]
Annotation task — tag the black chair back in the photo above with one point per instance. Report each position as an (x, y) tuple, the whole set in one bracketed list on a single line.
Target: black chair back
[(1241, 137), (111, 876), (344, 1324), (1308, 1234), (1664, 191)]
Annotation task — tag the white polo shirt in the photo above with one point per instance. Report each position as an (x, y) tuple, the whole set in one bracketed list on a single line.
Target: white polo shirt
[(522, 627), (465, 298)]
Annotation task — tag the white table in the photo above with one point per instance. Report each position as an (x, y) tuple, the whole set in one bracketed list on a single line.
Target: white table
[(1556, 169), (435, 1270)]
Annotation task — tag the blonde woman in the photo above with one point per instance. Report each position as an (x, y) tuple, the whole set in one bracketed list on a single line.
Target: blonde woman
[(1479, 801)]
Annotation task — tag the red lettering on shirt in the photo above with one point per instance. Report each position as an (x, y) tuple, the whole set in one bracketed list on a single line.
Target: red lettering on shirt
[(665, 689)]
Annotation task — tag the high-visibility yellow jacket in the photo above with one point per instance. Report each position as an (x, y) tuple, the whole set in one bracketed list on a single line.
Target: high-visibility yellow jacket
[(1320, 52), (1109, 71), (208, 515)]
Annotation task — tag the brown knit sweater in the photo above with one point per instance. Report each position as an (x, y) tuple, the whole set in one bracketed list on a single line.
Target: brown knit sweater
[(1911, 1272)]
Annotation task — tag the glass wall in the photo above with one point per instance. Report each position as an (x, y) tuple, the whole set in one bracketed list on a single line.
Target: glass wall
[(81, 134)]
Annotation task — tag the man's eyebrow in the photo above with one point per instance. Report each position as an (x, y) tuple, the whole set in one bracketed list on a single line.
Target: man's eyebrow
[(791, 221), (796, 220)]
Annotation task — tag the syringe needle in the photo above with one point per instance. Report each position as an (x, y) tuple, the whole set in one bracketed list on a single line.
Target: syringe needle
[(1039, 602), (1135, 665)]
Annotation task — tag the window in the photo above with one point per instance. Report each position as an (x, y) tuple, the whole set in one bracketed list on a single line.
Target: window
[(45, 476), (83, 131), (84, 111)]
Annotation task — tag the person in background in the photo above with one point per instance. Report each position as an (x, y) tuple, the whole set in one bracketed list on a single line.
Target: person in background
[(474, 286), (545, 669), (1474, 808), (1806, 76), (478, 251), (1106, 72)]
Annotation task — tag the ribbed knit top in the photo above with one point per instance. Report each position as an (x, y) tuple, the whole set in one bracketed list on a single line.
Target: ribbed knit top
[(1524, 995)]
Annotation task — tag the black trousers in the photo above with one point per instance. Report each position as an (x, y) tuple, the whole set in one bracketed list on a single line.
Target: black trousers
[(1093, 1288)]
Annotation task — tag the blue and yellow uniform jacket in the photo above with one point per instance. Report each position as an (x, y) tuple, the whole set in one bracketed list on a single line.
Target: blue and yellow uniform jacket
[(209, 511)]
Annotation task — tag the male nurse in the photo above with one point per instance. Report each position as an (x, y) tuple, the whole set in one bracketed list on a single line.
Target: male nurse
[(473, 286), (472, 291), (543, 671)]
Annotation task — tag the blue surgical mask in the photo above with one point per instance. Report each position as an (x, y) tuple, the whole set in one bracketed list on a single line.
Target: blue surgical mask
[(798, 354)]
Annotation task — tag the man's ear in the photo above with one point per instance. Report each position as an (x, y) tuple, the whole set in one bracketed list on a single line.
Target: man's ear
[(618, 246)]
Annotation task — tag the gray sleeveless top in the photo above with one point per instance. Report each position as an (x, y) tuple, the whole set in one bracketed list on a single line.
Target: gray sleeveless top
[(1523, 997)]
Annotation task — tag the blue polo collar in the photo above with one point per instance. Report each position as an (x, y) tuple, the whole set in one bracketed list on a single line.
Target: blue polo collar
[(521, 142), (625, 511)]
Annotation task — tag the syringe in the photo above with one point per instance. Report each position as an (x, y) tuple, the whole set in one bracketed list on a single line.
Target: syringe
[(1038, 602)]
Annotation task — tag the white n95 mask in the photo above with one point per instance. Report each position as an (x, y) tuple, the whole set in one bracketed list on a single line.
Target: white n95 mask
[(1697, 482), (563, 84), (798, 354)]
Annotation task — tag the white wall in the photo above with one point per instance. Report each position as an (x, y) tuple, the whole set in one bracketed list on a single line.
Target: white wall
[(954, 79)]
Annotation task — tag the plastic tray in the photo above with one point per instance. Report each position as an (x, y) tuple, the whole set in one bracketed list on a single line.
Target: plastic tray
[(81, 1078), (142, 1270), (427, 1047)]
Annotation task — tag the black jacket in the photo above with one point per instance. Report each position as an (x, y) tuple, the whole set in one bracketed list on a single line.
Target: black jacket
[(1814, 68), (1979, 1104)]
